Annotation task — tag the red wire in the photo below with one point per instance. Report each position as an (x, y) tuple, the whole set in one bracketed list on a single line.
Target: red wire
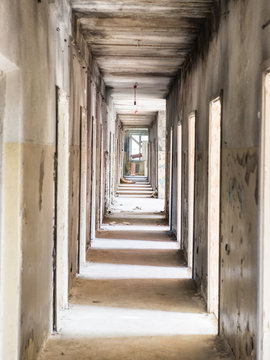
[(135, 87)]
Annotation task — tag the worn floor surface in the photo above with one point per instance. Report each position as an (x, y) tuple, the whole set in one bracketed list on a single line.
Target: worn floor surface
[(135, 300)]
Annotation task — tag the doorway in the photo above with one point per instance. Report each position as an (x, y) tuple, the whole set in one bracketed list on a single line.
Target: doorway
[(82, 245), (61, 183), (191, 179), (170, 177), (264, 301), (135, 161), (93, 179), (214, 204), (179, 183)]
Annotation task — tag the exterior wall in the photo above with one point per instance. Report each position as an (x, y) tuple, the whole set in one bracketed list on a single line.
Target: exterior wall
[(228, 57)]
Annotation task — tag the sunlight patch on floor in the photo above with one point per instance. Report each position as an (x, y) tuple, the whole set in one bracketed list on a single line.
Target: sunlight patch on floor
[(138, 205), (82, 321), (123, 227), (121, 271), (133, 244)]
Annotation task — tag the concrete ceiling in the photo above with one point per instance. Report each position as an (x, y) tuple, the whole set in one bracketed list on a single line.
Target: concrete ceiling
[(140, 41), (145, 118)]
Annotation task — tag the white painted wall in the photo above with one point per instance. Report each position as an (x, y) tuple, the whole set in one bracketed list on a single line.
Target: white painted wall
[(62, 200), (179, 183), (264, 292), (214, 205), (11, 219)]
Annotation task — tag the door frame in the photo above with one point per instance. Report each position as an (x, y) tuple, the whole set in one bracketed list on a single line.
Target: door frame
[(213, 295), (191, 192), (263, 348), (55, 192), (170, 177), (93, 181), (179, 182), (82, 241), (61, 206)]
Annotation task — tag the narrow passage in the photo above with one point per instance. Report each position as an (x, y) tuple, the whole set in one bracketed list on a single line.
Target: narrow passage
[(135, 299)]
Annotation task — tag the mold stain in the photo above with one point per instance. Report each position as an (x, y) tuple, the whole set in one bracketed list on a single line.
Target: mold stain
[(250, 163)]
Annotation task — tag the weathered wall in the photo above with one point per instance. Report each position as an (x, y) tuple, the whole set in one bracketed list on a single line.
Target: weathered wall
[(78, 100), (228, 57), (87, 92), (28, 153)]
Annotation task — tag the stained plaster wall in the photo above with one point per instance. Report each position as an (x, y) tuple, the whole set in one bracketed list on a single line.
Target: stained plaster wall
[(229, 57), (28, 155), (78, 101), (88, 92), (102, 127)]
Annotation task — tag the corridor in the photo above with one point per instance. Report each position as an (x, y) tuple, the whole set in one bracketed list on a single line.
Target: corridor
[(134, 298), (134, 179)]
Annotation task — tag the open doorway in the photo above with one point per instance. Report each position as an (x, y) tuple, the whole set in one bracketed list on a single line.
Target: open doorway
[(82, 245), (170, 177), (135, 160), (214, 204), (137, 187), (191, 178), (264, 301), (61, 183), (179, 182)]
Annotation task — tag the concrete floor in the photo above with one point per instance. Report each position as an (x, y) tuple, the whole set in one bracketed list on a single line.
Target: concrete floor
[(135, 300)]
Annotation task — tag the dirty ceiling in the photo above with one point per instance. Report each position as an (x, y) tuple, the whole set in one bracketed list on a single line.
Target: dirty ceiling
[(140, 41)]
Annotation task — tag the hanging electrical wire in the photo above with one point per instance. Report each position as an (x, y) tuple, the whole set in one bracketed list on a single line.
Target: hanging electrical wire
[(135, 97), (135, 93)]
